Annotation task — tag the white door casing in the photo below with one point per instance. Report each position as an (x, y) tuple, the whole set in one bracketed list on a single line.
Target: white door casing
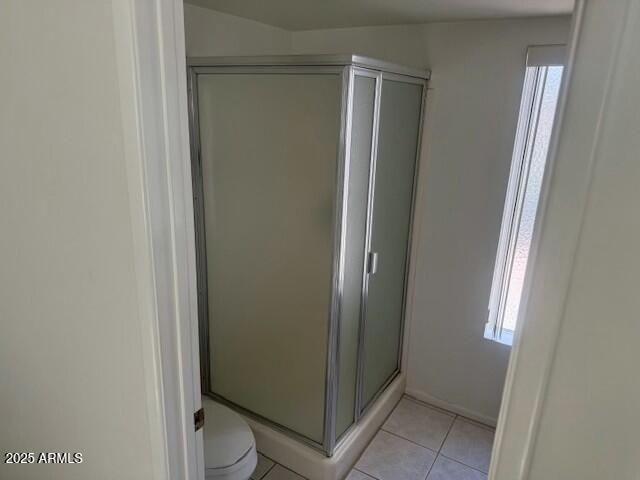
[(151, 60), (152, 72)]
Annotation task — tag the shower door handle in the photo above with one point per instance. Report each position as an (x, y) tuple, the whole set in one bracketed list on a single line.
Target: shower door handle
[(372, 263)]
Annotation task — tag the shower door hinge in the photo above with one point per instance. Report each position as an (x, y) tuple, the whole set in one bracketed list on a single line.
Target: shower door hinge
[(198, 419)]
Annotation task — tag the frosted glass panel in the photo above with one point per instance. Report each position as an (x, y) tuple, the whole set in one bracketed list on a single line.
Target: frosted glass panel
[(269, 145), (395, 165), (524, 236), (356, 224)]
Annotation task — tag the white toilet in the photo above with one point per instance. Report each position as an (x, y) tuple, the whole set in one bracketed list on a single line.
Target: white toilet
[(229, 446)]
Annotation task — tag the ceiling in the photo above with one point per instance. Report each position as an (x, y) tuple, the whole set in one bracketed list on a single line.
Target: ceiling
[(313, 14)]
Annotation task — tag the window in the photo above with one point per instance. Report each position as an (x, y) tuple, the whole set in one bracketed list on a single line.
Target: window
[(535, 122)]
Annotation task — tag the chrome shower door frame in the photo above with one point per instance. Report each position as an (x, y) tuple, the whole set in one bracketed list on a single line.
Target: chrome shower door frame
[(348, 67), (361, 408), (196, 68)]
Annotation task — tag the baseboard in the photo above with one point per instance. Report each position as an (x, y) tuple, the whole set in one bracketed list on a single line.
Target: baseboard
[(313, 464), (452, 407)]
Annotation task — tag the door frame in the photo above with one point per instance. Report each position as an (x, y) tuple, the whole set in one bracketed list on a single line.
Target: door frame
[(151, 60), (519, 418), (152, 72), (564, 204)]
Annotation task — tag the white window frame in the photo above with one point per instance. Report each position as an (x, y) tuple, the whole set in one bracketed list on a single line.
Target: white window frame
[(539, 60)]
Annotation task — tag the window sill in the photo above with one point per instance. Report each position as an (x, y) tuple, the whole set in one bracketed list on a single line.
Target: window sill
[(505, 337)]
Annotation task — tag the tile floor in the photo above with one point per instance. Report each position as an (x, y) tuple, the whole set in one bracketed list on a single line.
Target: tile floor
[(267, 469), (417, 442)]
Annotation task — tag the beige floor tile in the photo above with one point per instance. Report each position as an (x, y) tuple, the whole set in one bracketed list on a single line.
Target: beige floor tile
[(445, 469), (264, 464), (389, 457), (419, 423), (470, 444), (280, 473), (357, 475)]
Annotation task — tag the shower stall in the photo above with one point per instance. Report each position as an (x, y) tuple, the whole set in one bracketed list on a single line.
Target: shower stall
[(304, 173)]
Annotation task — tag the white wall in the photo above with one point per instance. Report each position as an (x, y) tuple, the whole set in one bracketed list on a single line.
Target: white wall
[(477, 74), (71, 357), (211, 33), (404, 44)]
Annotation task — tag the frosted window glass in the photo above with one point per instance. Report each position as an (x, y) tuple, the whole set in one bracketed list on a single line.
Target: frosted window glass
[(269, 145), (356, 224), (531, 196), (396, 159)]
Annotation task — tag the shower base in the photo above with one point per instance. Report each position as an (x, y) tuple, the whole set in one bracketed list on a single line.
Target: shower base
[(313, 464)]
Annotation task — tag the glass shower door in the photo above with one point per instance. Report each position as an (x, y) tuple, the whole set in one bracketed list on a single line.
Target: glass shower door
[(398, 136), (268, 155), (364, 92)]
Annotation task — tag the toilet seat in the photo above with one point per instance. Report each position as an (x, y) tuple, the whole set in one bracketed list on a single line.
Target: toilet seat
[(229, 446)]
